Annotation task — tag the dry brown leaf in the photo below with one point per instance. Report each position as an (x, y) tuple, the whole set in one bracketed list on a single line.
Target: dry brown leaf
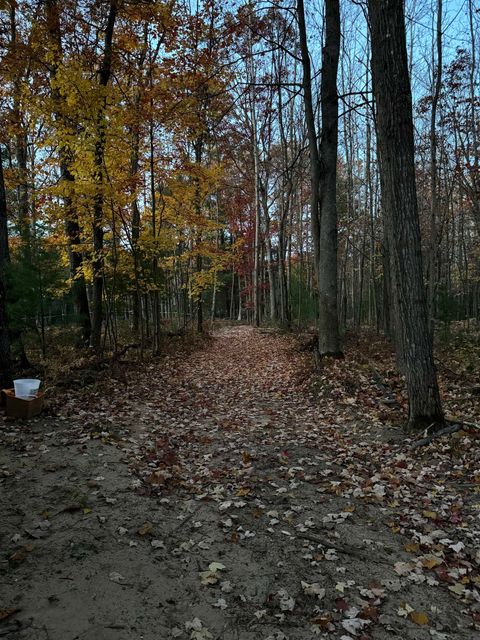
[(429, 562), (6, 613), (145, 529)]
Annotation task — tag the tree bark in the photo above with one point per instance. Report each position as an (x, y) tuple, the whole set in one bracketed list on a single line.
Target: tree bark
[(391, 87), (433, 248), (5, 361), (323, 174), (251, 75), (20, 136), (72, 227), (328, 336), (99, 159), (312, 137)]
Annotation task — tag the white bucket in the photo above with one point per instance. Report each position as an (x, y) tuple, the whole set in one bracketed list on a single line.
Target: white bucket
[(26, 387)]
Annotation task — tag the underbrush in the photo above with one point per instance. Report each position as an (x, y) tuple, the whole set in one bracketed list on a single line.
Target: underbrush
[(368, 385), (65, 362)]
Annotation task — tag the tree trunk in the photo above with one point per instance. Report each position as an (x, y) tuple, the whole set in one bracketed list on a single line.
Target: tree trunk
[(99, 159), (312, 138), (433, 248), (328, 336), (323, 174), (134, 167), (256, 185), (5, 362), (20, 136), (270, 269), (391, 86), (72, 228)]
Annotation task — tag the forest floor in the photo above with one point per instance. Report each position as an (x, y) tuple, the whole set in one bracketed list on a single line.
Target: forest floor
[(230, 493)]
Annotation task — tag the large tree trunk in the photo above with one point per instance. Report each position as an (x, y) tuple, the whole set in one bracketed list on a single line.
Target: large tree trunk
[(137, 300), (72, 228), (5, 362), (99, 159), (328, 338), (323, 174), (391, 86)]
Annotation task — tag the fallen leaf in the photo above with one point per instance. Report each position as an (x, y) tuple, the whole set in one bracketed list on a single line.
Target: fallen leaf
[(158, 544), (418, 617), (458, 588), (221, 603), (114, 576), (21, 554), (286, 602), (145, 529), (6, 613), (404, 610), (198, 631), (313, 589), (429, 562), (260, 613), (354, 625)]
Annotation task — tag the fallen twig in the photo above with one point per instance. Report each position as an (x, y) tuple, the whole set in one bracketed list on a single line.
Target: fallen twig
[(471, 425), (451, 428), (444, 366), (351, 551)]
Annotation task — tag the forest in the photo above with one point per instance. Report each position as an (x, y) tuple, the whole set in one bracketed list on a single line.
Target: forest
[(239, 246)]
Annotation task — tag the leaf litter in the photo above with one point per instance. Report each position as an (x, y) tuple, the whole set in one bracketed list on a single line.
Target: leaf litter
[(266, 501)]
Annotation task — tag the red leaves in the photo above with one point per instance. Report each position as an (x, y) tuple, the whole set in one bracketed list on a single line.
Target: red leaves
[(341, 604)]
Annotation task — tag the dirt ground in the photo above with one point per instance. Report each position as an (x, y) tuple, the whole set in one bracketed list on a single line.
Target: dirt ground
[(217, 496)]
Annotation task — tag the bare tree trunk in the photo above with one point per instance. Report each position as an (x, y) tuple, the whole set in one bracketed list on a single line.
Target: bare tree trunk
[(373, 305), (256, 248), (155, 231), (312, 138), (394, 122), (285, 206), (137, 324), (98, 201), (256, 185), (328, 336), (134, 167), (475, 192), (433, 249), (5, 362), (268, 251), (323, 174)]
